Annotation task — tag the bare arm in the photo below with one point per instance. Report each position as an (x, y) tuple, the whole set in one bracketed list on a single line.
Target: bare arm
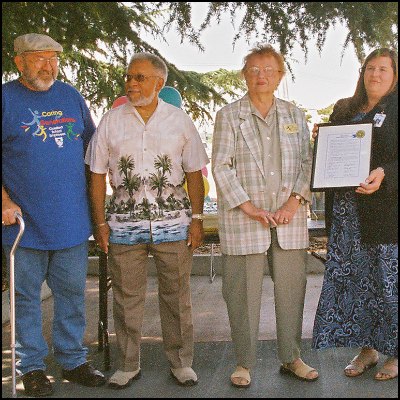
[(97, 190), (195, 185)]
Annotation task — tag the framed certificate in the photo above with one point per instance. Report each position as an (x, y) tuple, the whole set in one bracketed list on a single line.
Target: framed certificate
[(342, 156)]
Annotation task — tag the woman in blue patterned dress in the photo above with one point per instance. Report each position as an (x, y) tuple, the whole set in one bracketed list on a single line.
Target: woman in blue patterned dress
[(358, 306)]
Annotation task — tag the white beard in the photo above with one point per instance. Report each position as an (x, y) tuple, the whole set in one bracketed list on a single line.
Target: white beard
[(144, 101), (39, 83)]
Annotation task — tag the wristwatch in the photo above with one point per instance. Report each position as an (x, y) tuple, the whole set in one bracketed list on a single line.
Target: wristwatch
[(198, 216), (298, 197)]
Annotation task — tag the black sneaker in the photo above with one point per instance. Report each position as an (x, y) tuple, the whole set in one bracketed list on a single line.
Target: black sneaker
[(36, 384), (85, 375)]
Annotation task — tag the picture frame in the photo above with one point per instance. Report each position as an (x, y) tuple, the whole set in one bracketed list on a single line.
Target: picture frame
[(342, 155)]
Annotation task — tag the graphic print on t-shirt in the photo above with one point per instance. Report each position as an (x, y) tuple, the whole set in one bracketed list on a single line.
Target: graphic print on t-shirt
[(50, 124)]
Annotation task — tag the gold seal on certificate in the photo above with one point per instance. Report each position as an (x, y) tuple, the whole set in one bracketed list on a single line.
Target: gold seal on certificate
[(360, 134), (342, 155)]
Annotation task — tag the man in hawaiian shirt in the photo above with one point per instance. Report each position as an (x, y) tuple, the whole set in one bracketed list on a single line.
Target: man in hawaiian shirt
[(149, 148)]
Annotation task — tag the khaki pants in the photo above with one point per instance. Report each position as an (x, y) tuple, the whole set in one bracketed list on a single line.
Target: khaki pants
[(242, 279), (128, 271)]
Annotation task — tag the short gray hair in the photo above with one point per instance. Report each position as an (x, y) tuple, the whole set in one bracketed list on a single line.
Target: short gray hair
[(157, 62), (262, 49)]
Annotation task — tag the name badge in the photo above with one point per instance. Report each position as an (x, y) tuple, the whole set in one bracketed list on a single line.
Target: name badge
[(290, 128), (378, 120)]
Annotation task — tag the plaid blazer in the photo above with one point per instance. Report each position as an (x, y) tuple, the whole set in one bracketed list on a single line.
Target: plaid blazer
[(237, 167)]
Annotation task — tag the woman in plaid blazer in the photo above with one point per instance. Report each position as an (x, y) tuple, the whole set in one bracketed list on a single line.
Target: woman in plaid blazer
[(261, 163)]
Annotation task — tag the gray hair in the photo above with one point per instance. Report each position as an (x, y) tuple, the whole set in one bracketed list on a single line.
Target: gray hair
[(262, 49), (155, 61)]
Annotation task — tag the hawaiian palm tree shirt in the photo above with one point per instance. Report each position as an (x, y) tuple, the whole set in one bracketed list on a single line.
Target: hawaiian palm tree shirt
[(146, 165)]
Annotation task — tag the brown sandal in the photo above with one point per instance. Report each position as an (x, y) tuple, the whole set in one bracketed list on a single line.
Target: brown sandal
[(361, 363), (389, 370)]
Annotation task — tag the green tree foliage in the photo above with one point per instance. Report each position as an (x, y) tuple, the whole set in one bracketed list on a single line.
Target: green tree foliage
[(325, 113), (229, 83), (98, 39), (369, 24)]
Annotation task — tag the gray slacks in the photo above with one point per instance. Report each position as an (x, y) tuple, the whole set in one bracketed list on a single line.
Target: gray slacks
[(242, 279)]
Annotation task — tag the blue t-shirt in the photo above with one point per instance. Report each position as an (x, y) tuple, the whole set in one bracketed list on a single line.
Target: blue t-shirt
[(44, 137)]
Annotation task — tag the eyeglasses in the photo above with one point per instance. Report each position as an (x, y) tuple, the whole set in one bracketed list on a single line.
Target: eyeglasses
[(139, 77), (255, 71), (42, 61)]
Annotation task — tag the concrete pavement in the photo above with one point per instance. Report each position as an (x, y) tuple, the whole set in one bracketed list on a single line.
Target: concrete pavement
[(214, 359)]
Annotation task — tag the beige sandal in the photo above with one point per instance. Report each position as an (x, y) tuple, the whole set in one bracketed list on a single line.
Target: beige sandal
[(361, 363), (389, 370), (243, 374), (300, 372)]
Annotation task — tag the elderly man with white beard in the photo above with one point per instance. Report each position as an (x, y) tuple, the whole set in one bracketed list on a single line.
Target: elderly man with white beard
[(149, 148), (46, 129)]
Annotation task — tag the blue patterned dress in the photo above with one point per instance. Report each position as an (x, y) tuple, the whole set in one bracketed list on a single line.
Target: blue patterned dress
[(358, 305)]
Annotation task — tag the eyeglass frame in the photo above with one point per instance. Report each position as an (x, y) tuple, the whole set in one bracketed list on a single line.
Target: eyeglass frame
[(139, 77), (41, 61), (268, 71)]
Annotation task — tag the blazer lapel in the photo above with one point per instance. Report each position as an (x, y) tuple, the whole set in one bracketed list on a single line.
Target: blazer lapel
[(250, 132), (287, 120)]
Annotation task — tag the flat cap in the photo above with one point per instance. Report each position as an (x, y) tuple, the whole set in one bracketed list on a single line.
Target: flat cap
[(35, 42)]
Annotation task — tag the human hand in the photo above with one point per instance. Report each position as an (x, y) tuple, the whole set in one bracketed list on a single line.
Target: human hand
[(285, 213), (266, 218), (196, 234), (372, 183), (102, 235), (8, 210)]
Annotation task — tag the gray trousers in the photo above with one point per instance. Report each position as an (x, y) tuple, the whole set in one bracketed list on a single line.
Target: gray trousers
[(128, 270), (242, 279)]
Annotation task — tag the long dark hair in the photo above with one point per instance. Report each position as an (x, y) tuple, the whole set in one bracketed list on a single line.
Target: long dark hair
[(359, 99)]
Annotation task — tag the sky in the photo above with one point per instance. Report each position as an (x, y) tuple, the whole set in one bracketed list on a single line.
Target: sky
[(319, 82), (324, 79)]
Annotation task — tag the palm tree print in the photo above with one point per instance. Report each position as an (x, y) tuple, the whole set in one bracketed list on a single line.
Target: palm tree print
[(130, 183), (147, 205), (125, 164), (164, 163), (158, 181)]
